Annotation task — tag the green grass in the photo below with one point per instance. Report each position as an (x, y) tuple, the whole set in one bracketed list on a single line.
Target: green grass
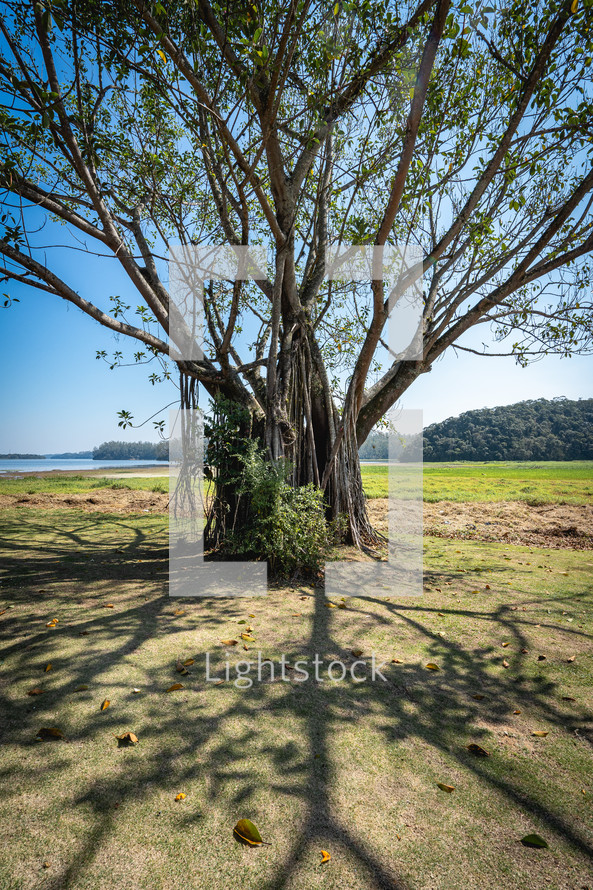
[(79, 484), (352, 769), (568, 482)]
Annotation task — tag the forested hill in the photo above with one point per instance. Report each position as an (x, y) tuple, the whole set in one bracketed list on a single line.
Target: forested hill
[(560, 429), (132, 451)]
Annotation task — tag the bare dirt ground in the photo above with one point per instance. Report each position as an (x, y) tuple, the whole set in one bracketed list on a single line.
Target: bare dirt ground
[(560, 526), (100, 501)]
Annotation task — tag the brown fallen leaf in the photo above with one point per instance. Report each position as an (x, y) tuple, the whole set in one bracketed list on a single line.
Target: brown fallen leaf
[(447, 788), (296, 614), (126, 739), (396, 661), (524, 651), (50, 733), (432, 667), (249, 629), (175, 687), (105, 704), (342, 606), (181, 669), (246, 647), (478, 696), (179, 612), (517, 711), (48, 667), (35, 691), (356, 652), (46, 865), (325, 856), (2, 611), (83, 633), (540, 733), (572, 658), (181, 796), (568, 698), (541, 657), (505, 663), (219, 682), (477, 750), (229, 642)]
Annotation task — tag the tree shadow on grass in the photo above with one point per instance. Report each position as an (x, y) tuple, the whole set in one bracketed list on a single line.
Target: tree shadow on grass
[(205, 740)]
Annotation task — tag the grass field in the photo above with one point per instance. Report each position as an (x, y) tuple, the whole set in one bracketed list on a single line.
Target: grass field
[(351, 768)]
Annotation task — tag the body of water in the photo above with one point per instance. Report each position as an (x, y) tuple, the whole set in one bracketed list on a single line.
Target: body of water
[(39, 466)]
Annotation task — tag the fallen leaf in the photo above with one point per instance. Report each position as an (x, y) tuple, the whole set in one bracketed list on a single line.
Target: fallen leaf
[(342, 606), (128, 738), (249, 629), (51, 623), (396, 661), (135, 689), (251, 616), (477, 750), (541, 657), (35, 691), (504, 645), (2, 611), (540, 733), (356, 652), (478, 696), (188, 662), (572, 658), (325, 856), (524, 651), (82, 688), (219, 682), (296, 614), (181, 796), (48, 667), (175, 686), (248, 832), (505, 663), (331, 605), (108, 605), (179, 612), (46, 865), (441, 614), (443, 787), (517, 711), (105, 704), (229, 642), (48, 733), (568, 698), (533, 840), (83, 633), (432, 667), (247, 637), (181, 669), (246, 647)]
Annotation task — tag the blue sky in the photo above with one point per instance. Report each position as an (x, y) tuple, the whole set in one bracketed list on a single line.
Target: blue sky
[(58, 397)]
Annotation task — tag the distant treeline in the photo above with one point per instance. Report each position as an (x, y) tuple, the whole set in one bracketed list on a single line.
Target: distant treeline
[(540, 429), (132, 451), (72, 455), (22, 456)]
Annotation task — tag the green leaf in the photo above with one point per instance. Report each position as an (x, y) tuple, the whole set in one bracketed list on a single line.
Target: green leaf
[(248, 832), (534, 840)]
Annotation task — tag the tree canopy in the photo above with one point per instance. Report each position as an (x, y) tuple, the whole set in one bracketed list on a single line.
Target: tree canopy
[(463, 129)]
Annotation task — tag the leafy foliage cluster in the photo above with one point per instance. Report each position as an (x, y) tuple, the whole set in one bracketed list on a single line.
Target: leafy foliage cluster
[(284, 525)]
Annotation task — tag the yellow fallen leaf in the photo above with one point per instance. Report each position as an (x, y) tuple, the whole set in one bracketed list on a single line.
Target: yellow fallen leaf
[(331, 605), (251, 616), (517, 711), (249, 629), (504, 645), (342, 606), (175, 686), (229, 642), (247, 637), (47, 733), (135, 689), (432, 667), (188, 662), (477, 750), (179, 612), (51, 623), (447, 788), (181, 669), (48, 667), (127, 738), (181, 796), (325, 856), (540, 733), (105, 704), (108, 605)]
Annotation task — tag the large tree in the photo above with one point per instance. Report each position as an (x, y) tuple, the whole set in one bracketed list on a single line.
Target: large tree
[(462, 129)]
